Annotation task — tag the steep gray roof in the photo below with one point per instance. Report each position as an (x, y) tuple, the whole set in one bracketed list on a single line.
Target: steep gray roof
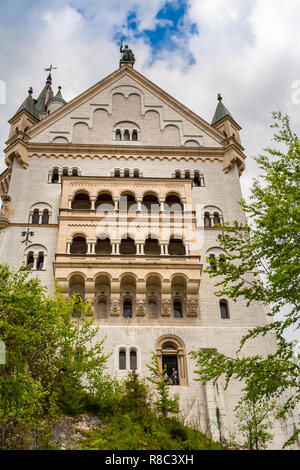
[(220, 112), (29, 105)]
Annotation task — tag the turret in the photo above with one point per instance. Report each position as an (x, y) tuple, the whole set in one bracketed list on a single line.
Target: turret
[(56, 102), (25, 116), (224, 122)]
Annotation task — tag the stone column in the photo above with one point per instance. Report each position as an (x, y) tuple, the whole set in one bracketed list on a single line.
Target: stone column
[(90, 292), (139, 203), (40, 216), (166, 301), (35, 257), (115, 297), (69, 241), (70, 203), (140, 309), (59, 176), (89, 246), (93, 200), (211, 220), (93, 246), (161, 204), (116, 202)]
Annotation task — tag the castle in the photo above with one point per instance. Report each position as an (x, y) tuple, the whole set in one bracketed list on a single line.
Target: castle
[(119, 194)]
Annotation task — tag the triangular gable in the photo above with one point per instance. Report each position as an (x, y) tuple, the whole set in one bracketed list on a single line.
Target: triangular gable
[(161, 119)]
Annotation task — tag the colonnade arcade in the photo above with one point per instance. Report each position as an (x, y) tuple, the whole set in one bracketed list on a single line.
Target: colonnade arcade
[(131, 295)]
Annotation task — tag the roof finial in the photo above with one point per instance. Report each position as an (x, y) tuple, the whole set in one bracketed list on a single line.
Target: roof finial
[(30, 91), (49, 78), (219, 97)]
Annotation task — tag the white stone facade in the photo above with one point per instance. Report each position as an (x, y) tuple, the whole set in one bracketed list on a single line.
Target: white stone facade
[(82, 135)]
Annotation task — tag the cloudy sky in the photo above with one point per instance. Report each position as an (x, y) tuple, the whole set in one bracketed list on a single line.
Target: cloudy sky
[(248, 50)]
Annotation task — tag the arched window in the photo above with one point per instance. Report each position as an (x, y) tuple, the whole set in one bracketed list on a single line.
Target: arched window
[(171, 354), (150, 201), (74, 172), (177, 174), (126, 134), (122, 359), (173, 203), (212, 262), (117, 174), (127, 246), (134, 135), (30, 260), (103, 246), (187, 175), (127, 308), (217, 219), (126, 174), (65, 172), (81, 201), (55, 176), (36, 216), (40, 262), (45, 217), (104, 202), (136, 173), (207, 222), (196, 180), (78, 246), (133, 360), (152, 247), (176, 247), (177, 309), (118, 134), (224, 310)]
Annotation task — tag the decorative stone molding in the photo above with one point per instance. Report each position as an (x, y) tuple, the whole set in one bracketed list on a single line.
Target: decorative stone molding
[(192, 308), (166, 308), (115, 308), (140, 308)]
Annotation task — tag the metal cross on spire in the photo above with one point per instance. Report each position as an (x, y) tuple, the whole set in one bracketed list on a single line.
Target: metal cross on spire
[(50, 68), (49, 78)]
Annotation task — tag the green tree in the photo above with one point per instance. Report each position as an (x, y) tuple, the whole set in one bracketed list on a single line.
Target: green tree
[(164, 404), (255, 420), (262, 265), (48, 357)]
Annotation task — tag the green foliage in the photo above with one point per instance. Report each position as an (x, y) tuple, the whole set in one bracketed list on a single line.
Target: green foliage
[(262, 265), (48, 357), (164, 405), (255, 420), (54, 367)]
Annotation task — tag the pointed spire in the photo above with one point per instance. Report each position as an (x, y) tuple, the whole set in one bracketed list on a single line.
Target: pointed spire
[(58, 95), (221, 111), (49, 79), (45, 95), (29, 105)]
